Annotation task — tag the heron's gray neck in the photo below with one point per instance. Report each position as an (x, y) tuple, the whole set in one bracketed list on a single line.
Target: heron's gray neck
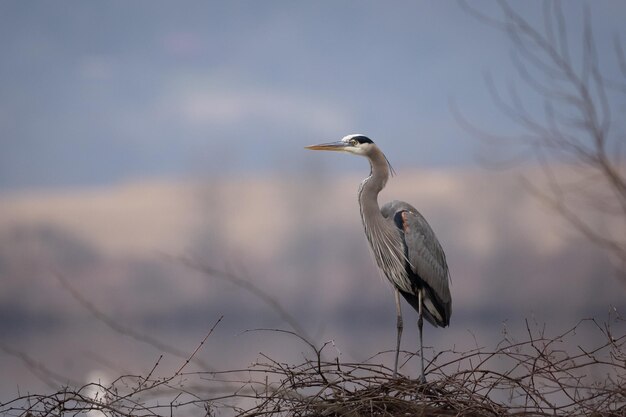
[(382, 234), (372, 185)]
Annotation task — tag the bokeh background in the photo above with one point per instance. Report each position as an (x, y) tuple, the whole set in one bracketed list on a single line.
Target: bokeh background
[(136, 133)]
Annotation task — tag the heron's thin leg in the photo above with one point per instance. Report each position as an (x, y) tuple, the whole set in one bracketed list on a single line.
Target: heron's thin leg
[(399, 327), (420, 323)]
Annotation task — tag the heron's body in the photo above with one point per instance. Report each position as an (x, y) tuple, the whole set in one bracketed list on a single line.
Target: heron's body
[(425, 267), (404, 246)]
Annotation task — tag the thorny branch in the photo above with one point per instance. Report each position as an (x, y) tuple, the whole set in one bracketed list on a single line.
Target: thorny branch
[(536, 376)]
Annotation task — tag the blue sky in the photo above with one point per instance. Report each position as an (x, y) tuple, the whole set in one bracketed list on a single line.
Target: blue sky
[(101, 92)]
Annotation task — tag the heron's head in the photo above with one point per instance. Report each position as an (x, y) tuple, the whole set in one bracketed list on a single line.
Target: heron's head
[(357, 144)]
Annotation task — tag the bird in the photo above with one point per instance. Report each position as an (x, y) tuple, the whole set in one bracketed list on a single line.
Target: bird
[(402, 243)]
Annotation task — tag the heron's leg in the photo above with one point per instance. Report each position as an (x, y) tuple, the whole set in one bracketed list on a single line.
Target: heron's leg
[(420, 323), (399, 327)]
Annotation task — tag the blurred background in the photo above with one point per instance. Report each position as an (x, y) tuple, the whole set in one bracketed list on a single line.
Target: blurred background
[(138, 138)]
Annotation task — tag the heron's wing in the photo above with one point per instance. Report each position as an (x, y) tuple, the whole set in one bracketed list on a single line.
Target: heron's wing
[(424, 253)]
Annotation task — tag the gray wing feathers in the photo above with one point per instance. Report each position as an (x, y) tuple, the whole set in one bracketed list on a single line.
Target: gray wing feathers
[(424, 252), (426, 256)]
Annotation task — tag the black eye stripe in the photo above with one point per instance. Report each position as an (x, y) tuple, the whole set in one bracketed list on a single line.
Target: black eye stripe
[(362, 139)]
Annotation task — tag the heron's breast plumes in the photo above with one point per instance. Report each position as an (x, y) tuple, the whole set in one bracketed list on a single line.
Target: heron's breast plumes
[(386, 247)]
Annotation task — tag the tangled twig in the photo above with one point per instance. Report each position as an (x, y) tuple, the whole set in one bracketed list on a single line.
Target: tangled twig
[(533, 377)]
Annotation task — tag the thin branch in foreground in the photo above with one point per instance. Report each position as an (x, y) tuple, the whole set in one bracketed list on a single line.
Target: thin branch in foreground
[(41, 371), (535, 376), (190, 358), (246, 285), (124, 330)]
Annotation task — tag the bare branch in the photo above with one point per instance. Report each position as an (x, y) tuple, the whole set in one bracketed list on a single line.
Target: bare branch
[(619, 51), (576, 127), (124, 330), (41, 371), (248, 286), (535, 376)]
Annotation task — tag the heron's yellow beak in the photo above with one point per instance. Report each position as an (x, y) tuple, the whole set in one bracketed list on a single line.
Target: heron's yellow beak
[(333, 146)]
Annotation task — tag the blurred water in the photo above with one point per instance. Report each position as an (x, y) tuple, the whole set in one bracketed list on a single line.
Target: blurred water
[(302, 246), (72, 352)]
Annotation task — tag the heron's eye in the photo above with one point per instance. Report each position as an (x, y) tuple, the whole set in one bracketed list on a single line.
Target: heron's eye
[(353, 142)]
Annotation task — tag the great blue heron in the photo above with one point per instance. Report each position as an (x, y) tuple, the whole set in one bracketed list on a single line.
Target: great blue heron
[(403, 244)]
